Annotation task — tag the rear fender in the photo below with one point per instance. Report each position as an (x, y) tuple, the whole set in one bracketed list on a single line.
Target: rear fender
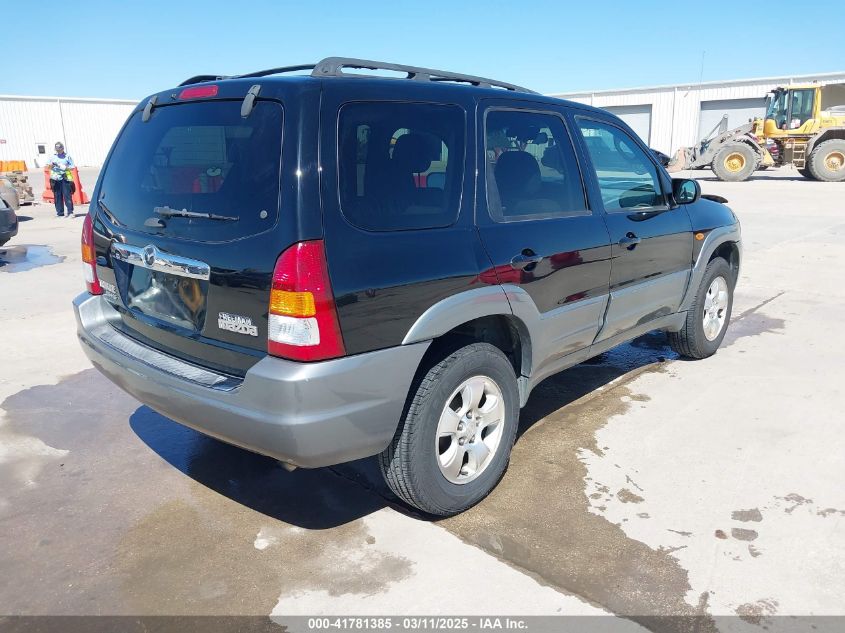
[(510, 301), (825, 135)]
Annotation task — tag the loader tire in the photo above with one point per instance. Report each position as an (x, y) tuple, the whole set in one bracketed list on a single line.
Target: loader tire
[(805, 171), (735, 162), (827, 161)]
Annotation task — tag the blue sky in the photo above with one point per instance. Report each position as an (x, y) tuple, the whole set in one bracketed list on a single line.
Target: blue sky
[(130, 49)]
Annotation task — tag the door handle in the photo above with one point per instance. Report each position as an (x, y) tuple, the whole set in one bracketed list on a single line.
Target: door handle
[(525, 259), (630, 241)]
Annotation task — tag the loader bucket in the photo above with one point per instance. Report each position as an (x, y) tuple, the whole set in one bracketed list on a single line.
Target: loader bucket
[(679, 162)]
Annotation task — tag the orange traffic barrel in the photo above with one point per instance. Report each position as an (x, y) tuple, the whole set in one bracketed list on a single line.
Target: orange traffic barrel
[(79, 196), (47, 196)]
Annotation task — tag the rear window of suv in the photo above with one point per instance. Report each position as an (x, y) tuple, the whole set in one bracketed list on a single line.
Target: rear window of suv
[(400, 164), (200, 157)]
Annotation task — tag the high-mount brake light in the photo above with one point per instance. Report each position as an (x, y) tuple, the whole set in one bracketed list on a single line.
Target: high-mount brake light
[(302, 322), (198, 92), (89, 258)]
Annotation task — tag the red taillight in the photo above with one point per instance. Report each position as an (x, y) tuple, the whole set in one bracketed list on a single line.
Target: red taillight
[(302, 320), (198, 92), (89, 258)]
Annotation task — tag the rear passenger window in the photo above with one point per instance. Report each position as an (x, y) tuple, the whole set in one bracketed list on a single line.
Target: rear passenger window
[(531, 167), (400, 165)]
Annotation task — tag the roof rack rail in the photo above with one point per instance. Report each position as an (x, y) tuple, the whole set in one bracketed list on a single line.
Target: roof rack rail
[(333, 67), (200, 78), (279, 70), (257, 73)]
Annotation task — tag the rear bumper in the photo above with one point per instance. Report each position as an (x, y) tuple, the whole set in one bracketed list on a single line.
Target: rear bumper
[(307, 414)]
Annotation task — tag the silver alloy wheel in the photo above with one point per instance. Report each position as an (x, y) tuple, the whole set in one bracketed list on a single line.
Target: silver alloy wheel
[(715, 308), (470, 429)]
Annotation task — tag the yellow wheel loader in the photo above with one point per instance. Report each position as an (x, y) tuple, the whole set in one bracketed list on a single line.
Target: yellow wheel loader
[(804, 126)]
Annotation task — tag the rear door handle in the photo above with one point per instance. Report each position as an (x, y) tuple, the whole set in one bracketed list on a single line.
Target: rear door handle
[(630, 240), (525, 259)]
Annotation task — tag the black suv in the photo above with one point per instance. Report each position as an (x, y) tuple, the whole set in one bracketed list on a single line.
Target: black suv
[(326, 266)]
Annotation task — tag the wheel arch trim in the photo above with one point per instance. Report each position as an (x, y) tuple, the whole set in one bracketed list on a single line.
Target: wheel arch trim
[(449, 313), (508, 301), (715, 238)]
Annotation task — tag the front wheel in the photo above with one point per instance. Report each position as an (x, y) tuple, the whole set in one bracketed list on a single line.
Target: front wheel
[(709, 315), (735, 162), (454, 443)]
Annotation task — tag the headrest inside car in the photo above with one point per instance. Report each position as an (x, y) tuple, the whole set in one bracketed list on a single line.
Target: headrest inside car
[(413, 152)]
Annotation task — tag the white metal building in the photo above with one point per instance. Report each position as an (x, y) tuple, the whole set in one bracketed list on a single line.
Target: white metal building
[(30, 126), (669, 117), (666, 117)]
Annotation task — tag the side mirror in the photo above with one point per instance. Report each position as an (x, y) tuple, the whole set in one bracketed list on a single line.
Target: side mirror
[(685, 191)]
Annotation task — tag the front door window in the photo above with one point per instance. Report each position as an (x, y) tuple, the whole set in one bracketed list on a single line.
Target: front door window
[(627, 178)]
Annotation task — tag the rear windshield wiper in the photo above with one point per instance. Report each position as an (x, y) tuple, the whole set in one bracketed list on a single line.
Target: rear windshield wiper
[(167, 212)]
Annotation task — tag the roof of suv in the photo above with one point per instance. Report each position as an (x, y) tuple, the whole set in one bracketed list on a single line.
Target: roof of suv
[(333, 68)]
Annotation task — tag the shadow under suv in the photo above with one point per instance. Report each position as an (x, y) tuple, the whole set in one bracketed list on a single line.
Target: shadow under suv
[(326, 266)]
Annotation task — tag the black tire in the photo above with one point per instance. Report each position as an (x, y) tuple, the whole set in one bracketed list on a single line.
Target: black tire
[(827, 161), (735, 162), (805, 171), (3, 242), (691, 341), (410, 464)]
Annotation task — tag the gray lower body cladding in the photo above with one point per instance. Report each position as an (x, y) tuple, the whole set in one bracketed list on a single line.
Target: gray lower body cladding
[(307, 414)]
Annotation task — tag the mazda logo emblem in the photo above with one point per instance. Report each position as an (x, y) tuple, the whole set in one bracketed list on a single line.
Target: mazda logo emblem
[(149, 255)]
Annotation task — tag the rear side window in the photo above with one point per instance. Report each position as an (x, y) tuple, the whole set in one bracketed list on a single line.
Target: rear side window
[(400, 165), (200, 157), (626, 176)]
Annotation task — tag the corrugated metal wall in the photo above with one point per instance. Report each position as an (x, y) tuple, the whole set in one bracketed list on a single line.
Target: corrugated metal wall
[(86, 126), (675, 109)]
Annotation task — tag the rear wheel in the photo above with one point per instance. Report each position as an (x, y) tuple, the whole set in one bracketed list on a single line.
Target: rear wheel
[(454, 443), (735, 162), (709, 315), (827, 160)]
